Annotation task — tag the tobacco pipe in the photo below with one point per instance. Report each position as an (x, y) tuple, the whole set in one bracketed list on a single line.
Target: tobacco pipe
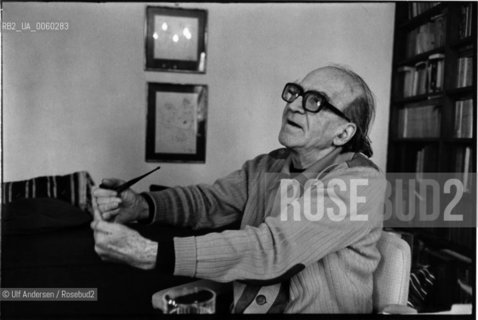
[(126, 185)]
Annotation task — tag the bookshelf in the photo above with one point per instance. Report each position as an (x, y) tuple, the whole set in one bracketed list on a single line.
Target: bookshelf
[(433, 109)]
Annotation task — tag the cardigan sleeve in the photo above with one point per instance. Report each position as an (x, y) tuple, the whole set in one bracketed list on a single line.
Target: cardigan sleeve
[(202, 206), (284, 244)]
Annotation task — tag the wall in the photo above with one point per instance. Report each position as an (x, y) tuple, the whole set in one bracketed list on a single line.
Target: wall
[(76, 99)]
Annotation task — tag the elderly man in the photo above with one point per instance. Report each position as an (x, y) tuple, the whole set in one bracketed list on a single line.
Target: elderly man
[(310, 213)]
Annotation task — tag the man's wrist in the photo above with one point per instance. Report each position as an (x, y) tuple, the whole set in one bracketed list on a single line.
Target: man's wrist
[(146, 213)]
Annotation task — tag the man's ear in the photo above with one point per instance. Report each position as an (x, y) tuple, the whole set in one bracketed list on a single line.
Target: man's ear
[(344, 134)]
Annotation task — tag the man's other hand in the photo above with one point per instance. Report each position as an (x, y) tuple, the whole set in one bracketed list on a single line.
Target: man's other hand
[(125, 207), (118, 243)]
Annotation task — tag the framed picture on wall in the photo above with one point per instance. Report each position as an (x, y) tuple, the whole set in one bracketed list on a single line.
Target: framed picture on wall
[(176, 39), (176, 123)]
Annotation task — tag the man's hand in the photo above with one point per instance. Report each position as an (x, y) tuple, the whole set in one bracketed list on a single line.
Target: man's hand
[(118, 243), (125, 207)]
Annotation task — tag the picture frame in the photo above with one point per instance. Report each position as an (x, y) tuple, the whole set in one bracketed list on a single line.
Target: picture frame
[(176, 122), (175, 39)]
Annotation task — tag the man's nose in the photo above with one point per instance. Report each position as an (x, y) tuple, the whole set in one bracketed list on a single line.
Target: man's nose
[(296, 105)]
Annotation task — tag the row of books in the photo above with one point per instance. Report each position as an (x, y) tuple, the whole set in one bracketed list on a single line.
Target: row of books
[(427, 37), (425, 156), (425, 77), (466, 21), (463, 164), (416, 121), (417, 8), (465, 72), (464, 118)]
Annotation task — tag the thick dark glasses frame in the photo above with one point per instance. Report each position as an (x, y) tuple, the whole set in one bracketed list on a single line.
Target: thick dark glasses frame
[(306, 94)]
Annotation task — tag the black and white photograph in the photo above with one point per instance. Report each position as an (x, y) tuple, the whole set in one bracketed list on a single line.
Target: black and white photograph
[(238, 158)]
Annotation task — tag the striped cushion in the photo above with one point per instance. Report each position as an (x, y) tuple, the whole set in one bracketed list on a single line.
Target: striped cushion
[(74, 188)]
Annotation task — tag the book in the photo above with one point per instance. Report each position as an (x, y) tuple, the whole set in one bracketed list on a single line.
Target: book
[(419, 121), (425, 77), (435, 68), (463, 124), (458, 118), (466, 21), (406, 81), (402, 123), (420, 81), (467, 120), (426, 37), (465, 72), (419, 164), (439, 28), (466, 169), (463, 165)]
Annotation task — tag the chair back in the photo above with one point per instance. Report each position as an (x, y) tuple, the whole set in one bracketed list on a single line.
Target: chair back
[(392, 277)]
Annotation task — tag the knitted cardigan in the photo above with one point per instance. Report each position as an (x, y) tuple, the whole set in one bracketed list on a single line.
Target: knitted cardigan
[(316, 254)]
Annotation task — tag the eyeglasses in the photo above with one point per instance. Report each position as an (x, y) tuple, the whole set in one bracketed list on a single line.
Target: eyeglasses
[(312, 101)]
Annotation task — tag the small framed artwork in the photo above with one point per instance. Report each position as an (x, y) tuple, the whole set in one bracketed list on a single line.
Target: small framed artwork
[(176, 39), (176, 123)]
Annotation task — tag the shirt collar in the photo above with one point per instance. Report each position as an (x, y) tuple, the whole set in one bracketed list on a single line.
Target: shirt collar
[(322, 165)]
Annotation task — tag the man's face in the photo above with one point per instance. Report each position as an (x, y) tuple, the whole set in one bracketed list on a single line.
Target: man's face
[(304, 131)]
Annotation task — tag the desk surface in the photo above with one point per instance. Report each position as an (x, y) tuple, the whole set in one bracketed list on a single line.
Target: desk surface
[(66, 259)]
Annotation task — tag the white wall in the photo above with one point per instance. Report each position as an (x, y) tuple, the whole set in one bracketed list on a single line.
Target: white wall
[(76, 99)]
